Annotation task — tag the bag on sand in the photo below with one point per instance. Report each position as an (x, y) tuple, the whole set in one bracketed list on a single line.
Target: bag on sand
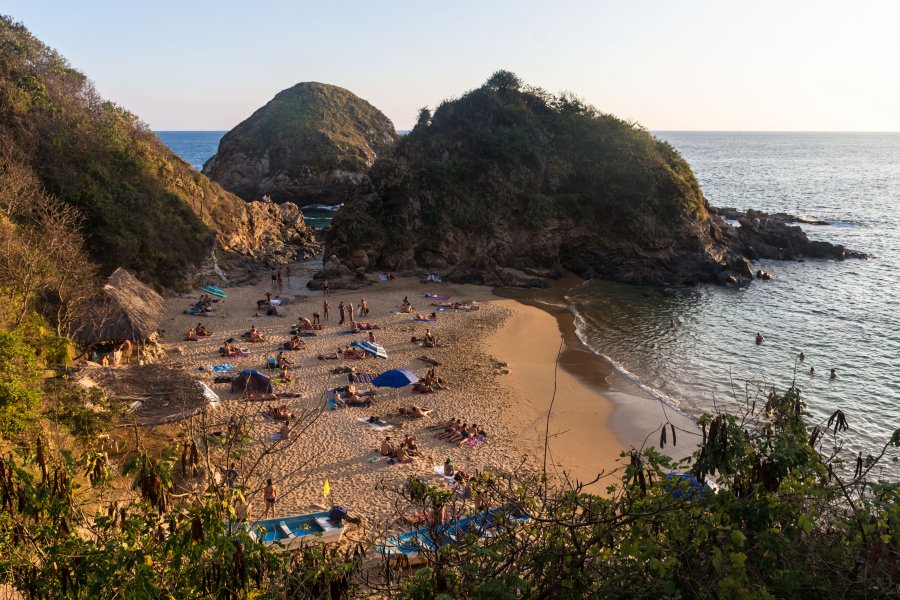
[(337, 513)]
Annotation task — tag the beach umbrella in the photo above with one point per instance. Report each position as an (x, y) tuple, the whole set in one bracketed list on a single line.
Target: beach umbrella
[(370, 348), (396, 378), (213, 290)]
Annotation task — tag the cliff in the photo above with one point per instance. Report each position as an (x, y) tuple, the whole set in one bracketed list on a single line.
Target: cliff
[(311, 144), (144, 208), (508, 185)]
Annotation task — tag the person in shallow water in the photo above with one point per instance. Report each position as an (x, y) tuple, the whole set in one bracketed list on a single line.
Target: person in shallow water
[(802, 357), (833, 374), (759, 338)]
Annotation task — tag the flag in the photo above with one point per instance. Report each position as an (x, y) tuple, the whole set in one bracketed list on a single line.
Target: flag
[(326, 489)]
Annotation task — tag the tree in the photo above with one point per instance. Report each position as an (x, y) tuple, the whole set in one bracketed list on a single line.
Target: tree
[(504, 81)]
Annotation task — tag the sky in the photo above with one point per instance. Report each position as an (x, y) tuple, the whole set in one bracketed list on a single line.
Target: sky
[(670, 65)]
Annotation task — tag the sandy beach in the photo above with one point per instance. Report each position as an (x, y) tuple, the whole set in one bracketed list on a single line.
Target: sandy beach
[(498, 362)]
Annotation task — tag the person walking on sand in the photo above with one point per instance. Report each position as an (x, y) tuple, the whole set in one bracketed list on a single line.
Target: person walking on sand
[(271, 496), (365, 304), (359, 309), (341, 311), (325, 309)]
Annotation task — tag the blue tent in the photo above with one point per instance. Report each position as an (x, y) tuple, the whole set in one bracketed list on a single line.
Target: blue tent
[(251, 380), (396, 378)]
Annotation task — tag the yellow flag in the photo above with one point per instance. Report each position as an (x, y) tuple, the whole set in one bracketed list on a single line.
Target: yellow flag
[(326, 489)]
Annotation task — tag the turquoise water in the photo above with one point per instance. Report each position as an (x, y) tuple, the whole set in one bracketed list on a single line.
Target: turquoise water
[(196, 147), (842, 315)]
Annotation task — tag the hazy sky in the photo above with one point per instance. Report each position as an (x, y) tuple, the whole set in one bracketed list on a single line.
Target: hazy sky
[(671, 65)]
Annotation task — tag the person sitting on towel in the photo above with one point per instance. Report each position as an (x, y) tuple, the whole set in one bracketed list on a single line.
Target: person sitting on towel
[(284, 431), (283, 361), (201, 330), (255, 335), (409, 443), (387, 447), (448, 468), (285, 375), (296, 343), (191, 336), (429, 338)]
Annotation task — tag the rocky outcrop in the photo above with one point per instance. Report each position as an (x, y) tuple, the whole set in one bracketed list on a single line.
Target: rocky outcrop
[(311, 144), (509, 186), (275, 234), (764, 235)]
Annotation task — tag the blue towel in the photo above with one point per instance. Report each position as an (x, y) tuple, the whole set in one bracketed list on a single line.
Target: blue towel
[(223, 368)]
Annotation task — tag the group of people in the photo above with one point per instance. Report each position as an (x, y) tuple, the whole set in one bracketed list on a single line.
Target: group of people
[(832, 374), (456, 431), (278, 279), (195, 333), (405, 452), (346, 310)]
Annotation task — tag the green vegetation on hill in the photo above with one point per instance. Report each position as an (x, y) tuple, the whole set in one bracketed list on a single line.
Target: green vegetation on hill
[(295, 145), (511, 177), (506, 150), (139, 201)]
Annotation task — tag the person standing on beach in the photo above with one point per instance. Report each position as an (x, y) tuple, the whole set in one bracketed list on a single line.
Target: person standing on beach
[(341, 311), (287, 275), (279, 281), (365, 305), (325, 287), (350, 311), (325, 308), (271, 496)]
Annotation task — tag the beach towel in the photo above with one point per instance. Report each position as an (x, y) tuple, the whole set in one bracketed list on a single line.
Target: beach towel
[(429, 361), (316, 327), (222, 368), (475, 441), (307, 334), (437, 296), (366, 377), (383, 277), (375, 426)]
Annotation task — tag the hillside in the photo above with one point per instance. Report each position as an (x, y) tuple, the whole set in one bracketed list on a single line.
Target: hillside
[(509, 184), (144, 207), (312, 143)]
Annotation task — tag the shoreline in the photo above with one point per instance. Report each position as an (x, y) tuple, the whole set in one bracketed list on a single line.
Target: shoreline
[(587, 424)]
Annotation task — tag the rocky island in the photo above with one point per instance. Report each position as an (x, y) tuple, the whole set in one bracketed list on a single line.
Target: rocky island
[(509, 185), (311, 144)]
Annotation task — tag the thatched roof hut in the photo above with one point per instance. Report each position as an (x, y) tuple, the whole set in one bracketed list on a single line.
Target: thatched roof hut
[(126, 309)]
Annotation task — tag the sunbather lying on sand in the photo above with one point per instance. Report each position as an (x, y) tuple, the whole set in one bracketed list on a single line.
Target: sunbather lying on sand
[(359, 326), (446, 424), (328, 356), (416, 412), (191, 336), (279, 413)]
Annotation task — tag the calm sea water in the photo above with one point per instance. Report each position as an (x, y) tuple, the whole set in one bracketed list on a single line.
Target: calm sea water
[(196, 147), (842, 315)]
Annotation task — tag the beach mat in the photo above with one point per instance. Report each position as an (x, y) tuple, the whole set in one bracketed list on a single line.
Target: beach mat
[(375, 426)]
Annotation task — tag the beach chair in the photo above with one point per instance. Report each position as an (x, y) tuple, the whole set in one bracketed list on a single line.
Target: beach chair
[(271, 363)]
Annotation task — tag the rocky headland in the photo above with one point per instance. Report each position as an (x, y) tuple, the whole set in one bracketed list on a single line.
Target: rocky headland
[(312, 143), (138, 204), (510, 186)]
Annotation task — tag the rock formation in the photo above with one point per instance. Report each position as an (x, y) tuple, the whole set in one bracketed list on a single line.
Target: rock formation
[(311, 144), (509, 185)]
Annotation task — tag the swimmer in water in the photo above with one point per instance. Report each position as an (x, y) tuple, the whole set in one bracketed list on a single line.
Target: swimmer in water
[(812, 370), (759, 338), (833, 374), (802, 357)]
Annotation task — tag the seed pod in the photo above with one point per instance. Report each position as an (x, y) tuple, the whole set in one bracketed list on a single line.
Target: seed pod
[(662, 437), (674, 442)]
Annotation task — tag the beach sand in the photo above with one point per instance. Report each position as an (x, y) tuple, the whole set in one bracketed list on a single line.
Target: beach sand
[(511, 407)]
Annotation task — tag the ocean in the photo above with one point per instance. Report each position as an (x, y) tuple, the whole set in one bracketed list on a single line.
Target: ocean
[(841, 315)]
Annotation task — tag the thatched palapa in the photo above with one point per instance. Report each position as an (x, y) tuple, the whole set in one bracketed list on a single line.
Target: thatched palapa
[(126, 309)]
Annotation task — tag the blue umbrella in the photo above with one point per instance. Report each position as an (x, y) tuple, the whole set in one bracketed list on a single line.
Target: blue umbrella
[(396, 378)]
